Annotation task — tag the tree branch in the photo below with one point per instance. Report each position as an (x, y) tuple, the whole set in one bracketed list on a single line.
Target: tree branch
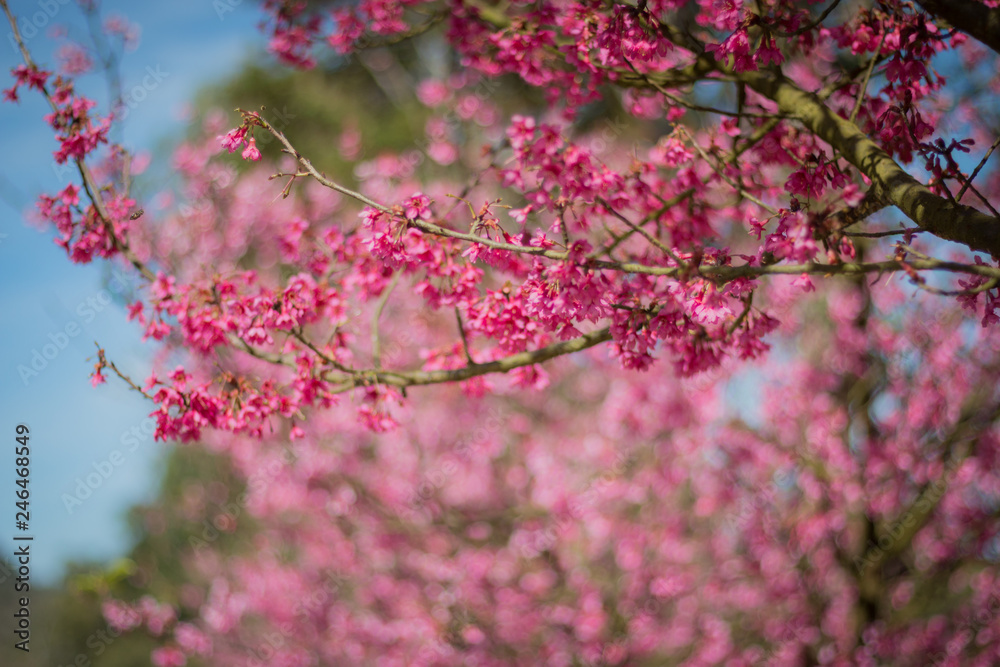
[(970, 17), (958, 446), (943, 218), (466, 372)]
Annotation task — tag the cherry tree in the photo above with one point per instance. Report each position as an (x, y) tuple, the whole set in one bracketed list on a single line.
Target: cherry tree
[(797, 198)]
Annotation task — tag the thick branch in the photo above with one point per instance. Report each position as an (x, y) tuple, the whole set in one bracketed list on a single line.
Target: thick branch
[(959, 444), (943, 218), (970, 17), (939, 216)]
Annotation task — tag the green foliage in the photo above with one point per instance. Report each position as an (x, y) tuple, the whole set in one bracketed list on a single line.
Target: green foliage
[(313, 108), (67, 628)]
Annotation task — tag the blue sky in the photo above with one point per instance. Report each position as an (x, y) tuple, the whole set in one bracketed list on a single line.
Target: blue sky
[(57, 309)]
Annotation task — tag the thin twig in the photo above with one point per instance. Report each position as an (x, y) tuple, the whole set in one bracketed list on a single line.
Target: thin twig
[(696, 107), (743, 315), (649, 237), (383, 298), (891, 232), (102, 362), (979, 166), (985, 287), (809, 26), (742, 191), (868, 76), (465, 340), (299, 336)]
